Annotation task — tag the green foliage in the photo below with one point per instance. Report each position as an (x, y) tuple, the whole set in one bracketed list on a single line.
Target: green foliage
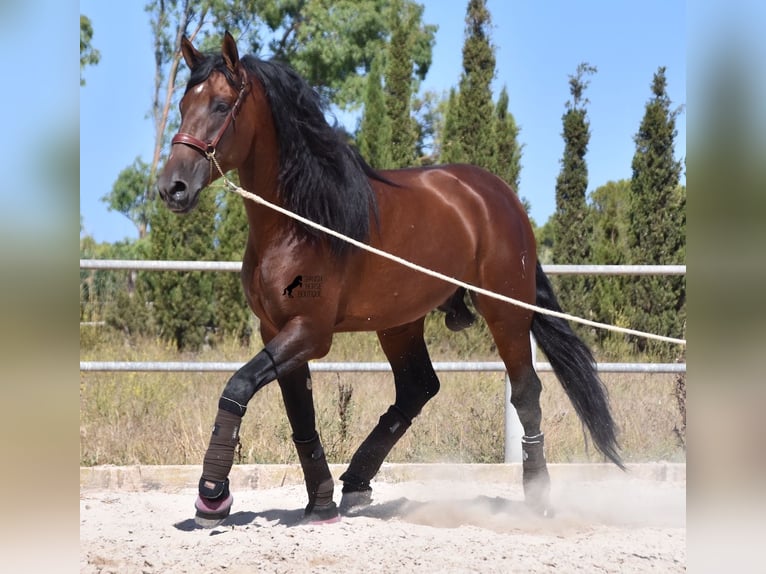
[(102, 290), (657, 221), (329, 42), (507, 160), (89, 56), (129, 195), (608, 215), (374, 135), (232, 315), (183, 300), (570, 223), (450, 148), (473, 132), (545, 239), (427, 113), (399, 85)]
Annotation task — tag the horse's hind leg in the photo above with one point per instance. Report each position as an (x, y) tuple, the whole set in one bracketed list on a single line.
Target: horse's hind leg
[(510, 330), (416, 383)]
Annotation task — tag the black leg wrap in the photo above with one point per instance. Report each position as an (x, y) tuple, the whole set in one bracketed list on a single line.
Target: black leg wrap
[(535, 476), (370, 455), (319, 483), (220, 452)]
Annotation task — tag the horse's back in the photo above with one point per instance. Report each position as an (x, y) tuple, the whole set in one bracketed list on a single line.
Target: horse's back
[(470, 197)]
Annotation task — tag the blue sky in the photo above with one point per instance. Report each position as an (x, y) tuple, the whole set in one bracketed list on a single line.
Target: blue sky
[(538, 45)]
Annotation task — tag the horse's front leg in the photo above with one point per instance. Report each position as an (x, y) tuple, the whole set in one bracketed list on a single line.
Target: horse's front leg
[(299, 404), (284, 357)]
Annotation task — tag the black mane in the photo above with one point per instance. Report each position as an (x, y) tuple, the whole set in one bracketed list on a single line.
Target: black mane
[(321, 177)]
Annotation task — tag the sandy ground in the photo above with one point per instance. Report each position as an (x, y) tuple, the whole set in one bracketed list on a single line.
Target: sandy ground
[(613, 525)]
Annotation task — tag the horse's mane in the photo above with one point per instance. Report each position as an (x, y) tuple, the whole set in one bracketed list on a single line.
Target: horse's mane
[(321, 177)]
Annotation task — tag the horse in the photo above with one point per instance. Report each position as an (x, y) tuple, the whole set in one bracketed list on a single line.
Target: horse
[(262, 119)]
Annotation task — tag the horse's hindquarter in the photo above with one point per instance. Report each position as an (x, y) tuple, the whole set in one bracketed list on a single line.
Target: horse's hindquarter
[(457, 220)]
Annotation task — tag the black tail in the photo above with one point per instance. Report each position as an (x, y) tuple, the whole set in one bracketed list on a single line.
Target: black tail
[(573, 363)]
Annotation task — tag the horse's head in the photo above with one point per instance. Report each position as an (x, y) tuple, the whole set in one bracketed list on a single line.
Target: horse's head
[(213, 124)]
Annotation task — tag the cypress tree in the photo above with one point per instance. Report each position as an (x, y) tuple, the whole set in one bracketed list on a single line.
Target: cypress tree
[(570, 224), (450, 150), (399, 86), (657, 222), (474, 131), (375, 129), (507, 160)]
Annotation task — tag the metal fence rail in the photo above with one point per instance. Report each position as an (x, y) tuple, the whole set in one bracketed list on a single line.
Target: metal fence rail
[(154, 265), (354, 367)]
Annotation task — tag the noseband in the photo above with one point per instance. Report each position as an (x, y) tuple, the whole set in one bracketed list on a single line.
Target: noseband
[(208, 148)]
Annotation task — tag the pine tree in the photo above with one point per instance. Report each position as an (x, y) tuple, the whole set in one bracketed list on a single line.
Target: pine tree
[(474, 132), (657, 221), (399, 86), (507, 160), (571, 245), (374, 137)]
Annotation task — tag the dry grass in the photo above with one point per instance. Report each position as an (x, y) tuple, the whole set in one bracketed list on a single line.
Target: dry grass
[(165, 418)]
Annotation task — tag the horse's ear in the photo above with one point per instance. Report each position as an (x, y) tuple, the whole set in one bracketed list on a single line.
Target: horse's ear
[(229, 52), (192, 56)]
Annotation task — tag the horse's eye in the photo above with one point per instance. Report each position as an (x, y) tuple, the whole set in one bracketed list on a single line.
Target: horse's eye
[(221, 107)]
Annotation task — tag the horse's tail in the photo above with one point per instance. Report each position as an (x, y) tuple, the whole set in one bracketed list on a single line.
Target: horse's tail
[(575, 368)]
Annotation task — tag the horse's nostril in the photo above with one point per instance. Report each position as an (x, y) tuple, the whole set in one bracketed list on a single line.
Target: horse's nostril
[(178, 191)]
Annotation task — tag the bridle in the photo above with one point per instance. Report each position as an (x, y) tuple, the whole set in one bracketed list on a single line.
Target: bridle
[(208, 148)]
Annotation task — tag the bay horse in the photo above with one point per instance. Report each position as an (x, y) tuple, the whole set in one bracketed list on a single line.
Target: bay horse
[(263, 119)]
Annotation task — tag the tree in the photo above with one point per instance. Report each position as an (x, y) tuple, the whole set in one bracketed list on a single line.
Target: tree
[(374, 137), (128, 195), (427, 112), (657, 221), (89, 56), (329, 42), (570, 224), (232, 315), (507, 160), (473, 131), (450, 147), (184, 301), (399, 86), (608, 213)]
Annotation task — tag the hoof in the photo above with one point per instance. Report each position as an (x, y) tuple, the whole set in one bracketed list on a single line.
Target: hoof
[(327, 514), (352, 502), (210, 513)]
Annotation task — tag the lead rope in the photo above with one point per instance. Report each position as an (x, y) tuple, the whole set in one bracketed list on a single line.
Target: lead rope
[(259, 200)]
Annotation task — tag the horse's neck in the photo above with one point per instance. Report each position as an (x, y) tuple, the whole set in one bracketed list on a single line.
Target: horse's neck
[(260, 177)]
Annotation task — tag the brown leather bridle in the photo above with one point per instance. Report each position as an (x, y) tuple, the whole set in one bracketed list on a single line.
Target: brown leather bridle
[(208, 148)]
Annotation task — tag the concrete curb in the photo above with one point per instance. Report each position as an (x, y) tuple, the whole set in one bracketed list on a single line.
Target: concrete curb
[(261, 476)]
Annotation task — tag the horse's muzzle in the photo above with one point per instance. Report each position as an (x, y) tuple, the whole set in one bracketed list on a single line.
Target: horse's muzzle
[(177, 195)]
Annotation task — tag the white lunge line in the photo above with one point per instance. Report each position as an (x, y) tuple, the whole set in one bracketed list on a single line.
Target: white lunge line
[(258, 199)]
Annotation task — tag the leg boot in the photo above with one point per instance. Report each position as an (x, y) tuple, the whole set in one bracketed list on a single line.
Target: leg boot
[(535, 476), (368, 458), (319, 484), (214, 502)]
